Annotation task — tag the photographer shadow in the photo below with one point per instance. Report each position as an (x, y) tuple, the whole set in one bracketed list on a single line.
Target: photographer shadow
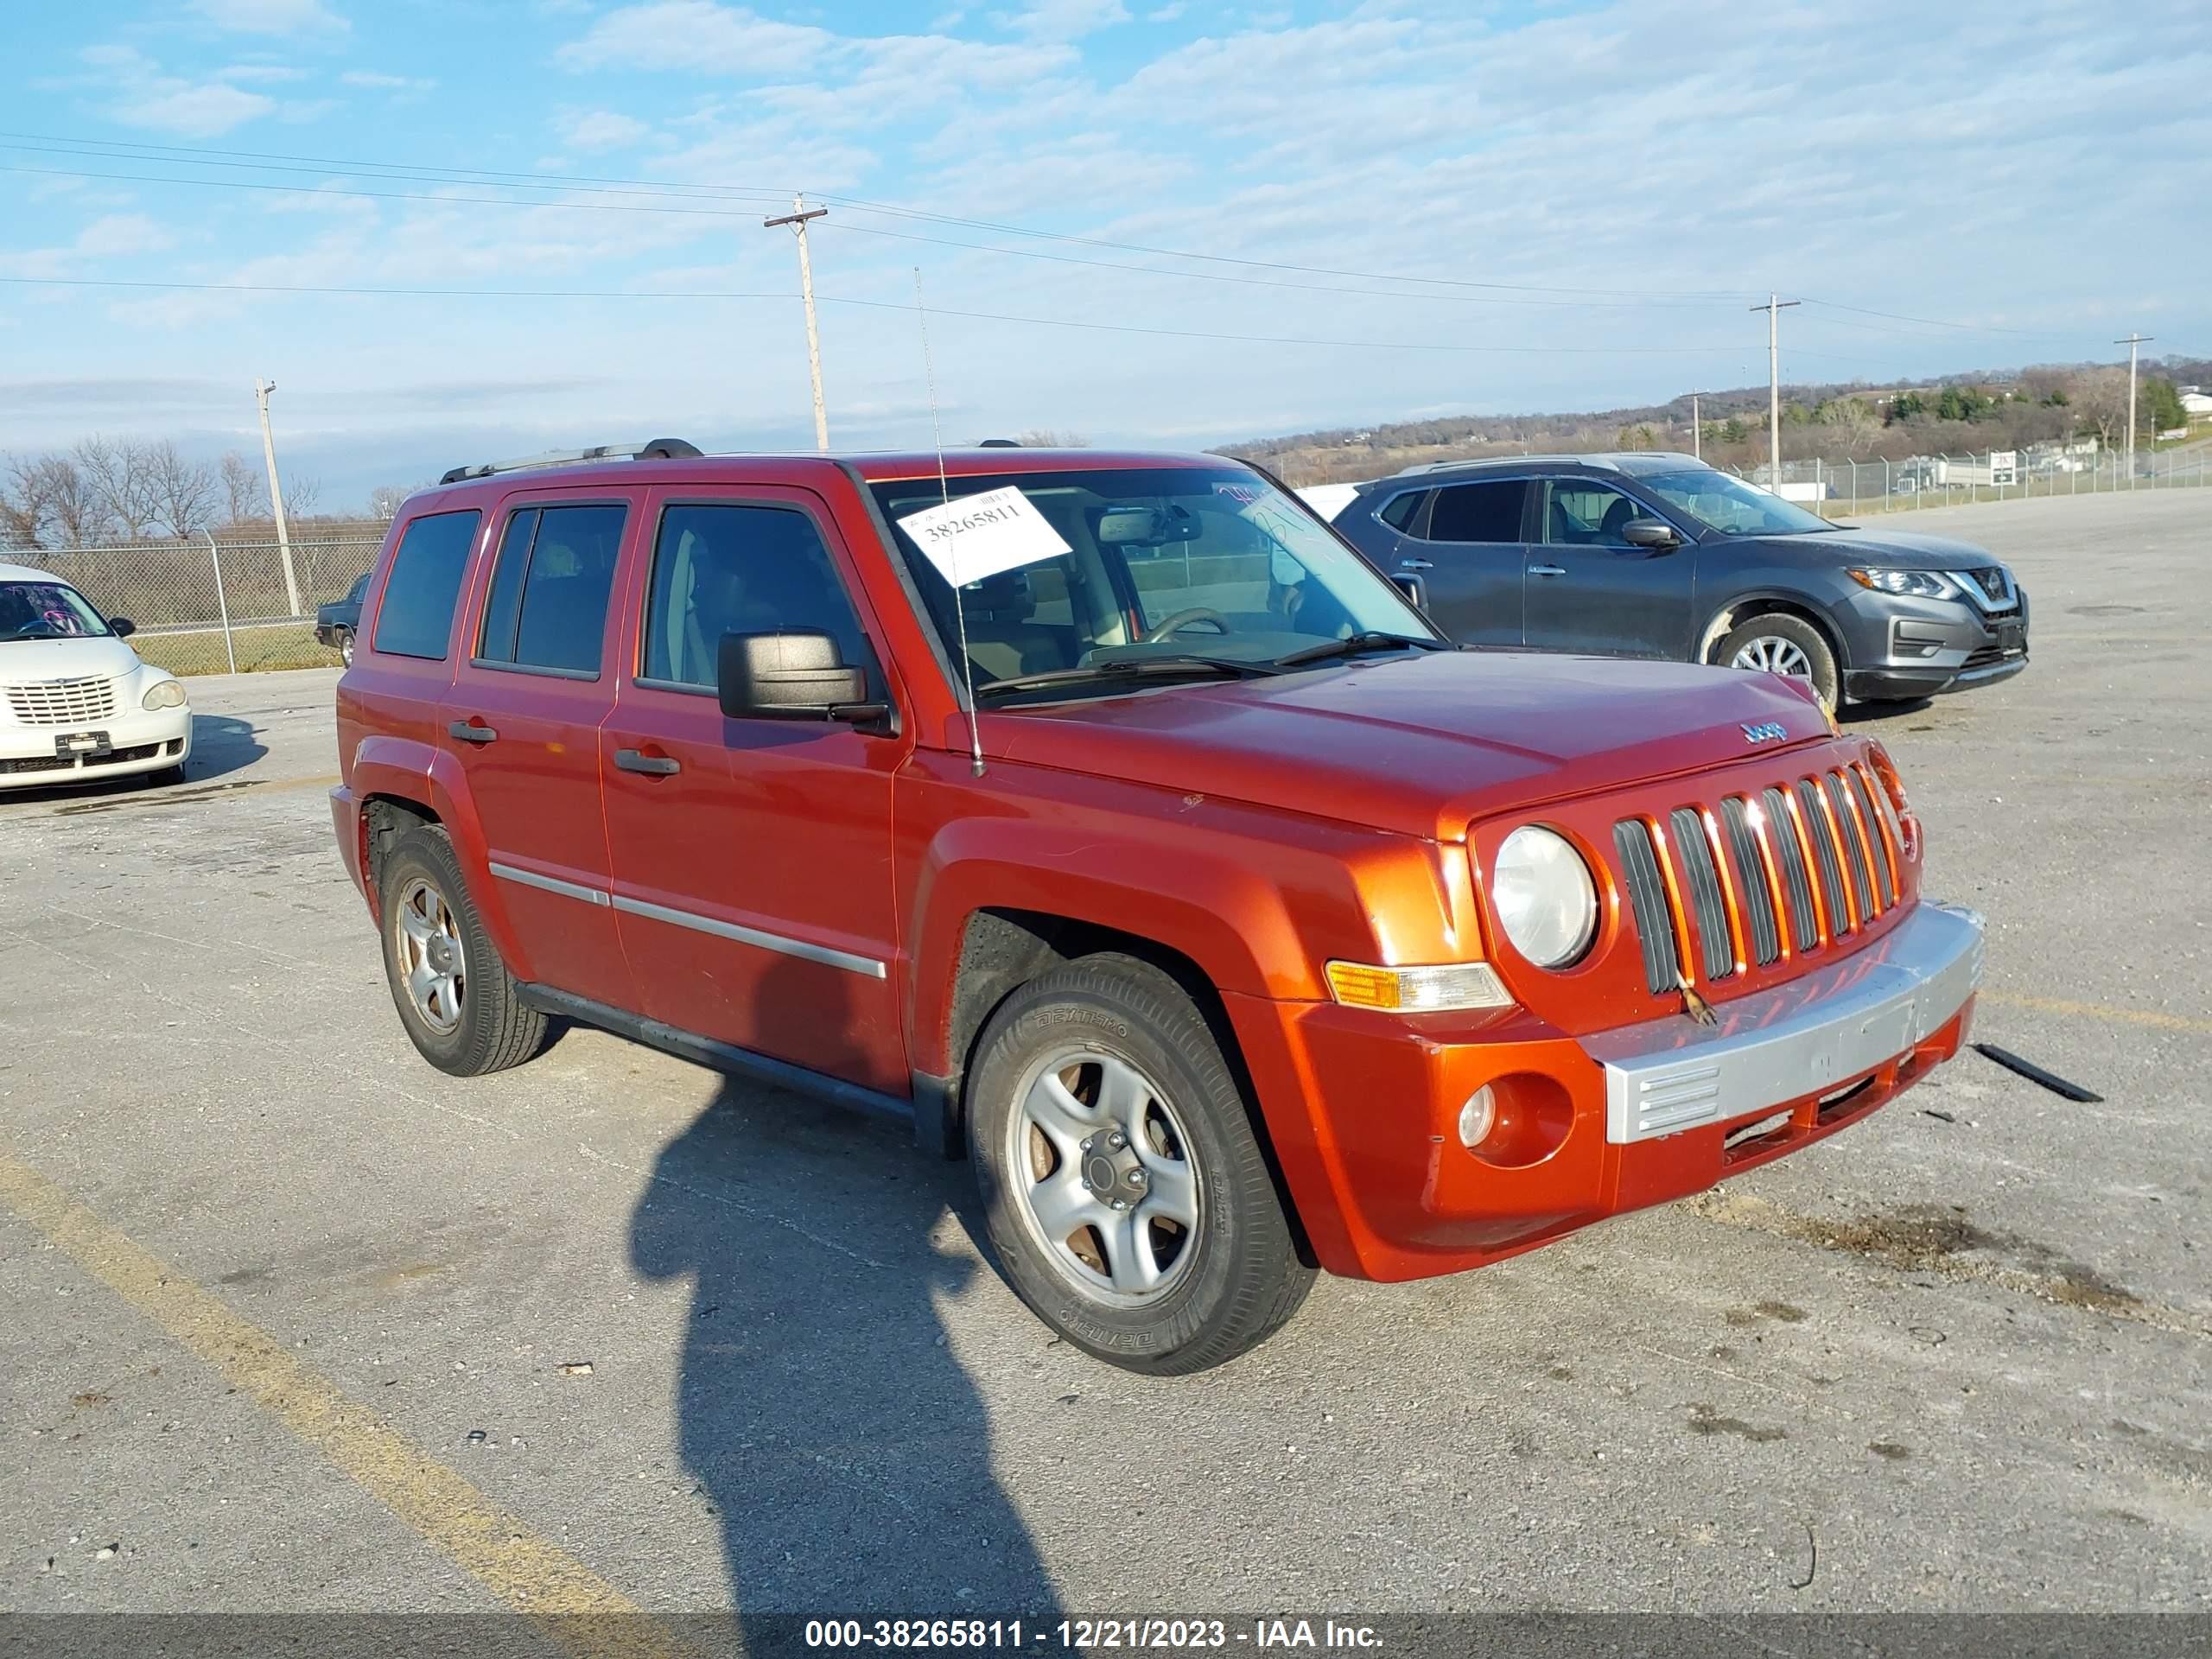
[(820, 1407)]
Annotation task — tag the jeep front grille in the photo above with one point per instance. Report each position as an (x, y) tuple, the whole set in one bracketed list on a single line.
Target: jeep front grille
[(1714, 890), (62, 703)]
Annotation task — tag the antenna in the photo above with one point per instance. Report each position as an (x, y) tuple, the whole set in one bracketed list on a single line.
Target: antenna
[(944, 494)]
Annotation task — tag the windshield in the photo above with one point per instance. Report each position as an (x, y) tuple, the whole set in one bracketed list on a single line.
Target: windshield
[(1732, 507), (46, 610), (1130, 566)]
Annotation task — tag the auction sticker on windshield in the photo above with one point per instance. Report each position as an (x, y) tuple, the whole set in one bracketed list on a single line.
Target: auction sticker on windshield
[(979, 536)]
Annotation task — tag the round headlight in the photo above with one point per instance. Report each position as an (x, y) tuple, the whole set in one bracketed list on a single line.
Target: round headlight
[(1546, 901), (164, 694)]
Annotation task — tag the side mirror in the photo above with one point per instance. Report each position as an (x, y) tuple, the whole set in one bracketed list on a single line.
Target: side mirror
[(1655, 533), (121, 626), (793, 676)]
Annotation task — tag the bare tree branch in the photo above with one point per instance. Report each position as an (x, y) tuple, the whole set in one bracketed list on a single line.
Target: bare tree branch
[(120, 480), (183, 491), (300, 494), (245, 497)]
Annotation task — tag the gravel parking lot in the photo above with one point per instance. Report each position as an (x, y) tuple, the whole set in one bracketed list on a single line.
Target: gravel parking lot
[(290, 1321)]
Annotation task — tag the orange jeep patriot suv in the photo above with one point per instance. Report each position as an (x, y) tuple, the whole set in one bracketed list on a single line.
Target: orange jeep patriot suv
[(1112, 819)]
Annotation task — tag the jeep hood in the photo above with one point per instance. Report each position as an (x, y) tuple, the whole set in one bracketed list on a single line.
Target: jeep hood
[(1420, 745)]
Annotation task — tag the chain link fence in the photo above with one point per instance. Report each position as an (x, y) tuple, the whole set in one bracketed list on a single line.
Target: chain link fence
[(215, 603), (1850, 489)]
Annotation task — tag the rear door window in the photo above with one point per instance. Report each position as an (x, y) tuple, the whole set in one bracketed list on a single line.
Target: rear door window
[(414, 618), (730, 568), (1487, 512), (547, 608)]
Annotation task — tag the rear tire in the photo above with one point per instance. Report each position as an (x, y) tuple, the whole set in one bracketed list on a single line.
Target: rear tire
[(344, 643), (1126, 1194), (1777, 643), (455, 995)]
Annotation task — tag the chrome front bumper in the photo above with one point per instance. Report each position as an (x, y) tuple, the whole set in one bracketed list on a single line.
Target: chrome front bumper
[(1837, 1022)]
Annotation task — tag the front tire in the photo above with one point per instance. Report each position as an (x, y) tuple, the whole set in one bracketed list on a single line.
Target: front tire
[(455, 995), (1125, 1192), (1777, 643)]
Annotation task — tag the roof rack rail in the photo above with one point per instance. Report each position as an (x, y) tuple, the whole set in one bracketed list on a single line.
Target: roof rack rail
[(658, 449), (1503, 461), (1000, 443)]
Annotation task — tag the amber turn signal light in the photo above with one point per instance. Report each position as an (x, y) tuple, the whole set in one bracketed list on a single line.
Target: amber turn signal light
[(1418, 990)]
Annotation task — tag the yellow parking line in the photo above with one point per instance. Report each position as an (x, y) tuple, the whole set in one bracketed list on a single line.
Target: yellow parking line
[(531, 1574), (2098, 1010)]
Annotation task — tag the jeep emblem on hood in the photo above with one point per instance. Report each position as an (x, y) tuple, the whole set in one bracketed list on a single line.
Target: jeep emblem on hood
[(1767, 731)]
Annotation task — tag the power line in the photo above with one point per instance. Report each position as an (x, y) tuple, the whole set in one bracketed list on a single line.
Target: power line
[(397, 291), (1269, 281), (1933, 322)]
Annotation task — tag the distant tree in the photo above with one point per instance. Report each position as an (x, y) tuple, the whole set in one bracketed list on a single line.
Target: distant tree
[(245, 495), (1905, 406), (23, 511), (385, 501), (121, 477), (2161, 409), (75, 512), (1045, 438), (2100, 403), (1637, 438), (1961, 403), (1853, 422), (300, 494), (183, 491)]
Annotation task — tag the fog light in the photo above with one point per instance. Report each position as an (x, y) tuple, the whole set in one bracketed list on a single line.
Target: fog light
[(1476, 1117)]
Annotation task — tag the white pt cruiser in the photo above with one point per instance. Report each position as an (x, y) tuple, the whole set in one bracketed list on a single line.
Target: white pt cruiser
[(75, 701)]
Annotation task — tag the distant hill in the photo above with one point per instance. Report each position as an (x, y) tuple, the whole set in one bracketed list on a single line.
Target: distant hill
[(1953, 414)]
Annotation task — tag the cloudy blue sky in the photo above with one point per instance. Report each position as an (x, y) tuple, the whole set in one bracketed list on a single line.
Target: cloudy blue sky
[(1403, 208)]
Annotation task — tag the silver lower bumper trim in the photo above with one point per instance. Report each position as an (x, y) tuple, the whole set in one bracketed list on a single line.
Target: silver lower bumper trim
[(1836, 1022)]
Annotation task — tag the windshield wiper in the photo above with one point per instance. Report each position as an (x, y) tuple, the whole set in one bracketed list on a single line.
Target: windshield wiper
[(1358, 644), (1130, 667)]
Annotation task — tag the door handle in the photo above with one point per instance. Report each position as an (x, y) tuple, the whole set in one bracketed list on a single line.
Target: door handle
[(1415, 564), (653, 766), (469, 731), (1547, 570)]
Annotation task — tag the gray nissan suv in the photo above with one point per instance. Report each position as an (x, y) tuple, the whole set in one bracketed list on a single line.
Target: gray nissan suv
[(1657, 555)]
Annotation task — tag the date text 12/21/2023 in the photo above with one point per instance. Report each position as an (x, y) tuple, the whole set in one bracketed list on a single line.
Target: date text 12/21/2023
[(1087, 1635)]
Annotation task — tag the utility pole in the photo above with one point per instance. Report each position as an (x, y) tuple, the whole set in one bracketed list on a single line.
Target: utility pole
[(261, 391), (2134, 342), (1697, 431), (1775, 306), (796, 219)]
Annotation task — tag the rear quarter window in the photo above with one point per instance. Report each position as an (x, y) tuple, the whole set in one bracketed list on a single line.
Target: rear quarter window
[(1399, 512), (414, 618)]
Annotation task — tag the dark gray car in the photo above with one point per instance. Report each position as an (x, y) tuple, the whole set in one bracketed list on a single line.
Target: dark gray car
[(1657, 555)]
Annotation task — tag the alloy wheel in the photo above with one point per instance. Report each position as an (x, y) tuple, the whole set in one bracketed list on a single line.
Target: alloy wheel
[(1769, 654), (1103, 1176), (433, 962)]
